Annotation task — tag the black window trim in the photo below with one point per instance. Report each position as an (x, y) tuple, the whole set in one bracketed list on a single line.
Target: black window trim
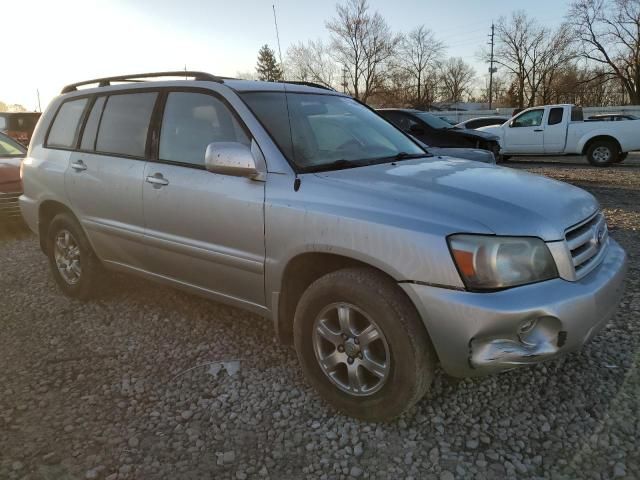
[(158, 114), (85, 116)]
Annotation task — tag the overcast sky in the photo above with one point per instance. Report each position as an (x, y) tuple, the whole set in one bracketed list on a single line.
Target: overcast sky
[(50, 43)]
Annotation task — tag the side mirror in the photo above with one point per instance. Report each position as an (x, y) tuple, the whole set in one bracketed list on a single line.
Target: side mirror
[(230, 158), (415, 128)]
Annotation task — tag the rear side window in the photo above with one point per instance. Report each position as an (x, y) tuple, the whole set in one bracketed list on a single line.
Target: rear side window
[(190, 122), (64, 131), (91, 127), (555, 116), (577, 115), (125, 123)]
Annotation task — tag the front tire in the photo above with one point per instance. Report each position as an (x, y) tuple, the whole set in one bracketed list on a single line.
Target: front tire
[(602, 153), (622, 157), (362, 345), (74, 265)]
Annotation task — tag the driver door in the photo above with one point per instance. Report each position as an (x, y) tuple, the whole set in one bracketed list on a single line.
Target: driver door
[(525, 133)]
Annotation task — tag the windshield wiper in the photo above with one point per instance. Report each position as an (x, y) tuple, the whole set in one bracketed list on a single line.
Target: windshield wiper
[(335, 165), (409, 156)]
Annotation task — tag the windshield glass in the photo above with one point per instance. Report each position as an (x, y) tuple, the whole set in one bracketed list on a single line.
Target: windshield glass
[(9, 148), (328, 131), (432, 120)]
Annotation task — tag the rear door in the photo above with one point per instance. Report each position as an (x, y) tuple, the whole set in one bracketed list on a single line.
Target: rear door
[(525, 133), (204, 230), (104, 179), (555, 130)]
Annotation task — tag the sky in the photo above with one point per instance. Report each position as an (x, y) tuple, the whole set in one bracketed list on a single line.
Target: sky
[(50, 43)]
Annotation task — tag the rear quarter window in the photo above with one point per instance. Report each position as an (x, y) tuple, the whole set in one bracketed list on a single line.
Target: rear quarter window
[(66, 124)]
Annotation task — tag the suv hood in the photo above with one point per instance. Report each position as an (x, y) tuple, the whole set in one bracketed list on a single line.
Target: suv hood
[(463, 196)]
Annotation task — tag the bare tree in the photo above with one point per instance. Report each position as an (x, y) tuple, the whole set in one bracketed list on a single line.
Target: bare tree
[(362, 42), (515, 38), (419, 55), (531, 54), (608, 33), (549, 54), (457, 79), (312, 62)]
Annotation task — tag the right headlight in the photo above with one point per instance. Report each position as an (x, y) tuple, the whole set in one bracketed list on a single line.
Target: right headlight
[(488, 262)]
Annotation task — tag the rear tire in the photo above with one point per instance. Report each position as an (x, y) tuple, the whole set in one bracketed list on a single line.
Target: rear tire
[(74, 265), (602, 153), (344, 306)]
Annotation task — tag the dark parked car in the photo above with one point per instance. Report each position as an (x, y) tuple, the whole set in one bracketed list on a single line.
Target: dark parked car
[(434, 131), (611, 117), (482, 122), (11, 155), (19, 125)]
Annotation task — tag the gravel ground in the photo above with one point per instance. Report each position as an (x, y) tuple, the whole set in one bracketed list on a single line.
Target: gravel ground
[(150, 383)]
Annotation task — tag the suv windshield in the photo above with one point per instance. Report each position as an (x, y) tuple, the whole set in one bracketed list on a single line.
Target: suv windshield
[(433, 121), (328, 132)]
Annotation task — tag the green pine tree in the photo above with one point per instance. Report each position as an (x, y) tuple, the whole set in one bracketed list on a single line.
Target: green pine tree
[(267, 67)]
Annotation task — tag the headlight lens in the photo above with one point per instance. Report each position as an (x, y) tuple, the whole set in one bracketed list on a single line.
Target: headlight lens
[(492, 263)]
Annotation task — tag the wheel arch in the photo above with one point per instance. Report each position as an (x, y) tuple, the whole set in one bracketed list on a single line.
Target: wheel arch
[(46, 213), (300, 272), (600, 138)]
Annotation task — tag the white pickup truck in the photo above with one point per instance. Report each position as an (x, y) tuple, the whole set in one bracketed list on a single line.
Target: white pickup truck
[(561, 130)]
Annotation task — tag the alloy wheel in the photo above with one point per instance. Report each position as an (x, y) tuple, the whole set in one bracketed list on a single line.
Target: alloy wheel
[(66, 252), (351, 349)]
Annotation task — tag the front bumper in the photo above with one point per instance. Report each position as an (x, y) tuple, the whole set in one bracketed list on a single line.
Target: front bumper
[(480, 333)]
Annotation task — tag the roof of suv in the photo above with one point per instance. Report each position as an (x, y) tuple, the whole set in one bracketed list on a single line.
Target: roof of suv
[(156, 78)]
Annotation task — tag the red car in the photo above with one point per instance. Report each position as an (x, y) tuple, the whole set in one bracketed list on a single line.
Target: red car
[(11, 155)]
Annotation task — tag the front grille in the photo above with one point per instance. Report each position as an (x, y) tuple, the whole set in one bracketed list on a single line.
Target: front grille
[(9, 205), (587, 242)]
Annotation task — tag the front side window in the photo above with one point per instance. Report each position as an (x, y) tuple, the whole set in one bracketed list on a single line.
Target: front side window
[(530, 118), (323, 132), (555, 116), (125, 123), (191, 121), (64, 131)]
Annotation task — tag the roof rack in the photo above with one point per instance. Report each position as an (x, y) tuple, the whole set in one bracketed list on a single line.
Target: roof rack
[(308, 84), (138, 77)]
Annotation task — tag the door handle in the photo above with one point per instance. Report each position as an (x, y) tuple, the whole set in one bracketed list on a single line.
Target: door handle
[(538, 130), (157, 180), (78, 166)]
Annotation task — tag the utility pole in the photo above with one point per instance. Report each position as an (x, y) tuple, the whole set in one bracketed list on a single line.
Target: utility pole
[(344, 79), (492, 70)]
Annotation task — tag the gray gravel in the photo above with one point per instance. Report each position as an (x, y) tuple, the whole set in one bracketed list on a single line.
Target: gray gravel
[(150, 383)]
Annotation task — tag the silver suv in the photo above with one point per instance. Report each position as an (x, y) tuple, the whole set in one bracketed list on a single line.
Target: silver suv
[(375, 258)]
